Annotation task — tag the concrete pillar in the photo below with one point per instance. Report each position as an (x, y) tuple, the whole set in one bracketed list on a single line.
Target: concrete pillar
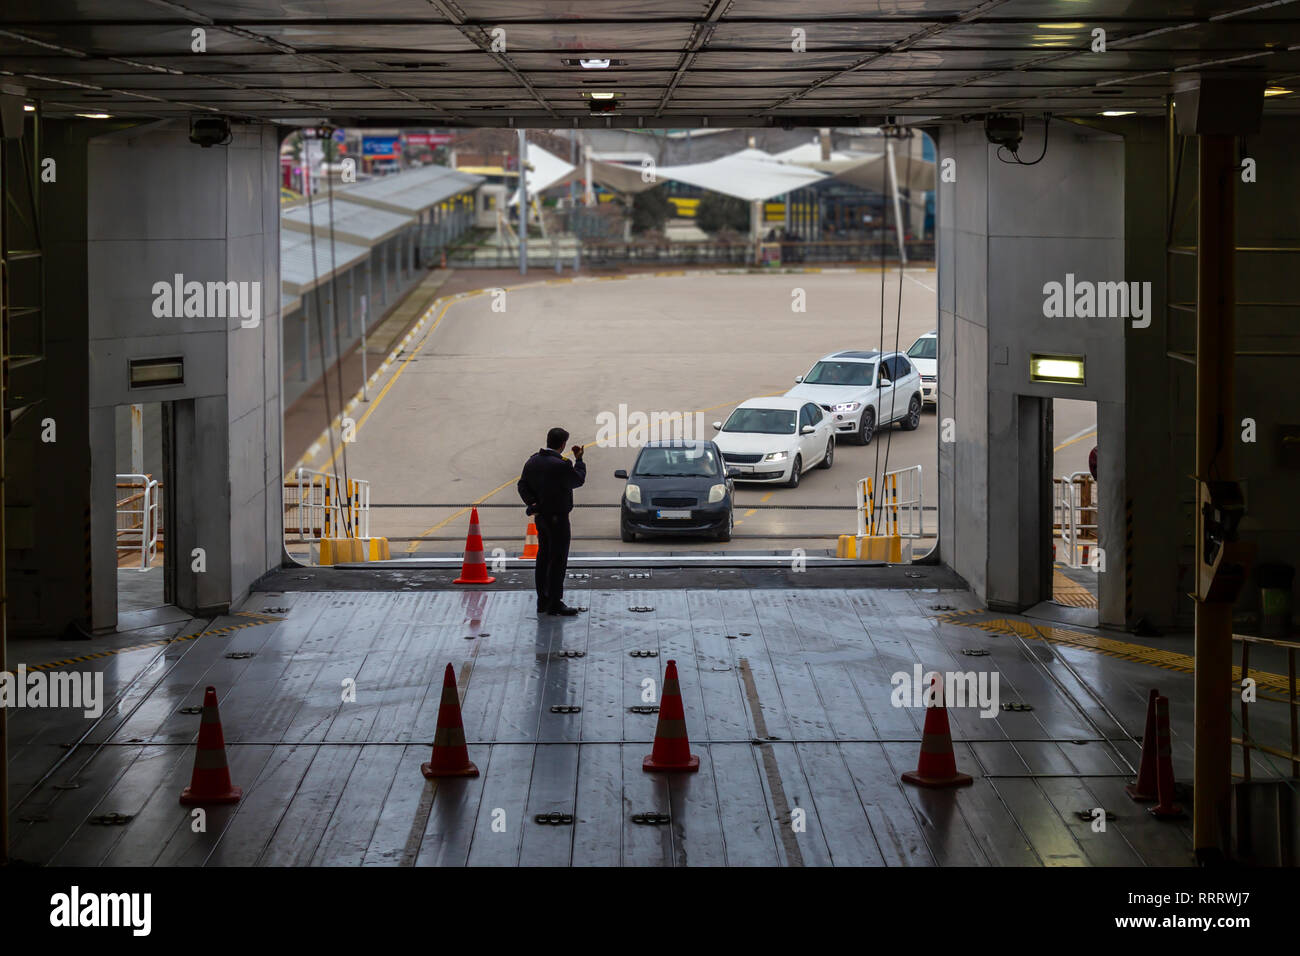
[(306, 336), (225, 490), (1027, 226), (349, 279), (1215, 386), (137, 439)]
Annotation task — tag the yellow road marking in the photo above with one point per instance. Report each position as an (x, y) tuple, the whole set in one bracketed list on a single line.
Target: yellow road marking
[(576, 280), (412, 546), (1066, 444), (388, 385), (1135, 653), (113, 652)]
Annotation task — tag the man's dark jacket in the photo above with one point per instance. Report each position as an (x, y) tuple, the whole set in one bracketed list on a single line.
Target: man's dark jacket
[(547, 482)]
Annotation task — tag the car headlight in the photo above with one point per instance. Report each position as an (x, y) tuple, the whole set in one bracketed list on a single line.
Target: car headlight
[(717, 493), (846, 407), (777, 456), (633, 493)]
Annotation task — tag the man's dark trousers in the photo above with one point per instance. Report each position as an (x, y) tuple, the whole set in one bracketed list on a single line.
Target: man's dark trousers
[(552, 559)]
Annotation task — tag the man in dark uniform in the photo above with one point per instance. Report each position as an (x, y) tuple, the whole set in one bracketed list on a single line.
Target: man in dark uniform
[(546, 486)]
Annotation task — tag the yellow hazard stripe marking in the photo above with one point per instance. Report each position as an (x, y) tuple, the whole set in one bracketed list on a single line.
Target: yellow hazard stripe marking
[(230, 629), (1135, 653)]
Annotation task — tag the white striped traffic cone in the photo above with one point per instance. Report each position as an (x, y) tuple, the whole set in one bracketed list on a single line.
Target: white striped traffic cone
[(473, 570)]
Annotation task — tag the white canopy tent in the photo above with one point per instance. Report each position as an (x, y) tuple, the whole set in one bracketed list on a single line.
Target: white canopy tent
[(865, 170), (751, 175), (545, 170)]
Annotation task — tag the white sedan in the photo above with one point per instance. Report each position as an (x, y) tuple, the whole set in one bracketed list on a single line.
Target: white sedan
[(924, 354), (776, 439)]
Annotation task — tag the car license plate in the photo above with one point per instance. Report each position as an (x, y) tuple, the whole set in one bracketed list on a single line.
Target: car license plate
[(674, 514), (743, 468)]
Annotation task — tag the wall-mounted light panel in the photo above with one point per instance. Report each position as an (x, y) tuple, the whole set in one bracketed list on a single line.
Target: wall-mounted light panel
[(152, 373), (1062, 369)]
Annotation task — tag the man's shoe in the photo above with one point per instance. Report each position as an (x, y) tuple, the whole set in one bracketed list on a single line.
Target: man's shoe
[(563, 610), (542, 609)]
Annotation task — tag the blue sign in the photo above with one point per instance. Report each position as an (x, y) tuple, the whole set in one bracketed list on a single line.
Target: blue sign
[(379, 146), (340, 135)]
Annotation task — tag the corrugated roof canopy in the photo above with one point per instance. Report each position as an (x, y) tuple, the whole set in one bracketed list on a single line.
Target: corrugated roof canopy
[(413, 191), (301, 271), (359, 224)]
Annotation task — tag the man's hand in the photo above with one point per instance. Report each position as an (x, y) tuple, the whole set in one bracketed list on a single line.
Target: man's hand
[(577, 452)]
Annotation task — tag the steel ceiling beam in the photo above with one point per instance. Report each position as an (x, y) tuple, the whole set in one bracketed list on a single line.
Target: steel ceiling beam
[(701, 33), (476, 35)]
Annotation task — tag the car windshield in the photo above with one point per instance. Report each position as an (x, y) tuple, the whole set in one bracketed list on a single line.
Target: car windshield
[(691, 462), (924, 348), (840, 373), (761, 421)]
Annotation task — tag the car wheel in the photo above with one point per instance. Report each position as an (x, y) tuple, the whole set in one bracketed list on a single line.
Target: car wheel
[(868, 427), (829, 458), (795, 472), (626, 534), (913, 418), (725, 533)]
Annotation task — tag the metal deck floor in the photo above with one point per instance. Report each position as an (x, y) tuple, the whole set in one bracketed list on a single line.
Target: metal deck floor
[(787, 700)]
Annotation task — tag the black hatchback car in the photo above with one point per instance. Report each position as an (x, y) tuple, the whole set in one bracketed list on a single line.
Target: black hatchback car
[(677, 487)]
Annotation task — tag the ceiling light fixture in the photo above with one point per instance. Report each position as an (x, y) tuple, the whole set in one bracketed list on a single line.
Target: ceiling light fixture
[(1276, 91), (28, 108), (94, 115), (1118, 112), (592, 62), (601, 94)]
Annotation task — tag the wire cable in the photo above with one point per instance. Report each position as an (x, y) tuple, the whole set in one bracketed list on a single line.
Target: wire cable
[(875, 425), (1015, 153), (338, 348), (898, 318), (320, 327)]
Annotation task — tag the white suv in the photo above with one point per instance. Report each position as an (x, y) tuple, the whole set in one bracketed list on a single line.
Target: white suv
[(924, 354), (861, 391)]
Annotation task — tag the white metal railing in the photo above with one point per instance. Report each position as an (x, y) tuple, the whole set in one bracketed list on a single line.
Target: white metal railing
[(901, 506), (139, 517), (319, 505), (1074, 516)]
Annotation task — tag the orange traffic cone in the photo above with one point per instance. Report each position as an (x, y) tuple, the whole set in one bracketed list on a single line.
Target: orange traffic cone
[(450, 756), (937, 766), (473, 569), (672, 749), (530, 540), (210, 782), (1165, 807), (1143, 789)]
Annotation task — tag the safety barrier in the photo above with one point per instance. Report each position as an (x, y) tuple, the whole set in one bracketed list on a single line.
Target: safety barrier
[(1246, 741), (739, 252), (899, 512), (139, 517), (320, 505), (1074, 517)]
